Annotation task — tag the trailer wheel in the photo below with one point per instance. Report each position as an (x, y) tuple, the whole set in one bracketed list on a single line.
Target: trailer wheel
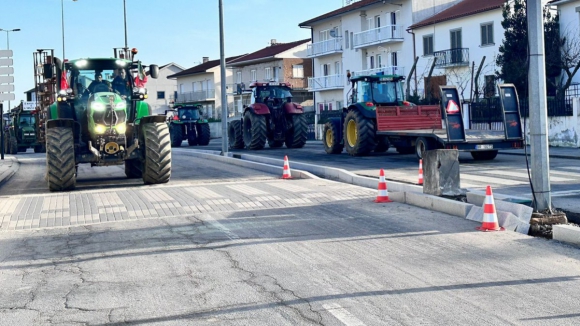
[(235, 138), (157, 153), (383, 144), (60, 159), (422, 145), (254, 130), (133, 169), (331, 141), (484, 155), (203, 134), (297, 135), (359, 134), (176, 135)]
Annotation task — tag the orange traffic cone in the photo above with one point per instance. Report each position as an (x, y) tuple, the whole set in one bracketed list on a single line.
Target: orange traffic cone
[(489, 222), (383, 195), (420, 172), (286, 174)]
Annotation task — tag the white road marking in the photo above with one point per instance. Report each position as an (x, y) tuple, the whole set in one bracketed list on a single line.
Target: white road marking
[(247, 190), (342, 314)]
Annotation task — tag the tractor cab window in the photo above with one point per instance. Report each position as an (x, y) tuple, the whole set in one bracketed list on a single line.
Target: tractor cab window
[(94, 81), (26, 121), (278, 92), (189, 113), (363, 91), (387, 92)]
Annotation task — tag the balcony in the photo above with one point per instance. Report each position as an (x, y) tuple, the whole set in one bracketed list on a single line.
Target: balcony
[(196, 96), (452, 58), (331, 46), (391, 70), (326, 83), (385, 34)]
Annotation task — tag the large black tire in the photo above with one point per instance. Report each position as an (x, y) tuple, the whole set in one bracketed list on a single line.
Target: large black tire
[(235, 137), (383, 144), (359, 134), (330, 138), (133, 169), (13, 146), (176, 135), (203, 134), (422, 145), (60, 159), (275, 143), (255, 132), (40, 149), (296, 135), (192, 136), (484, 155), (157, 153)]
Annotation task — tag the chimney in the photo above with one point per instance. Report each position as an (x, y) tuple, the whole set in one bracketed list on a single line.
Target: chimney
[(273, 41), (205, 59)]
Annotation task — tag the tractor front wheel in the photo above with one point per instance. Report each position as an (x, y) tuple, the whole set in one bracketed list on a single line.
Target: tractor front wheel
[(192, 135), (331, 141), (60, 159), (203, 134), (157, 153), (235, 137), (255, 132), (296, 136), (176, 135), (359, 134)]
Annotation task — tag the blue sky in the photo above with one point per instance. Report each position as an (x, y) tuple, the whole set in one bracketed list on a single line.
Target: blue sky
[(180, 31)]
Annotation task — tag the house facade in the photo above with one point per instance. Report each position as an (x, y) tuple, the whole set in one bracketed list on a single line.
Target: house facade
[(279, 62), (201, 84), (162, 90), (569, 12)]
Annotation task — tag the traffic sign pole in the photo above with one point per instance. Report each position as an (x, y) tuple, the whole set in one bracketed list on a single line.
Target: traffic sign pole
[(6, 87)]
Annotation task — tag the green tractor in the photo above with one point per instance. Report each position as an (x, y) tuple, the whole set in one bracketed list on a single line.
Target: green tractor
[(22, 133), (102, 119), (185, 122)]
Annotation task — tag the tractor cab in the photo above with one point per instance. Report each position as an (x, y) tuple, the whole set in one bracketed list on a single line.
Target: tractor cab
[(188, 112), (271, 94), (377, 90)]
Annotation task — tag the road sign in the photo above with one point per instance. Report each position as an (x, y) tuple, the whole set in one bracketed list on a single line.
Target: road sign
[(29, 106), (6, 71), (6, 88), (6, 79), (5, 62), (5, 53), (7, 97)]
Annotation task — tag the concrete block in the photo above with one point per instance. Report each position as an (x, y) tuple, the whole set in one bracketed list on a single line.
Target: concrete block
[(441, 172), (399, 197), (419, 200), (523, 212), (566, 233), (443, 205), (475, 214), (507, 221)]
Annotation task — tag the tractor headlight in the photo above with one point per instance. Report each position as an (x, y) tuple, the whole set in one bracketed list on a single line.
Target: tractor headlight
[(62, 92), (81, 63), (98, 106), (135, 89), (121, 105), (100, 129), (69, 91), (121, 128)]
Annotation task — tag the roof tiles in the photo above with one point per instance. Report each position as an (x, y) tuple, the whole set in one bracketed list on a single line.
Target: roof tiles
[(461, 9)]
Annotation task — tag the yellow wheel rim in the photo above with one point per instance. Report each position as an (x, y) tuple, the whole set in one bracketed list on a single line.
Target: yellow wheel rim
[(351, 133), (329, 138)]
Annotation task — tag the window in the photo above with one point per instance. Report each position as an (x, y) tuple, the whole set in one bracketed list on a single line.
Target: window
[(371, 62), (487, 34), (346, 43), (268, 74), (160, 95), (379, 61), (325, 69), (338, 105), (193, 86), (377, 21), (428, 44), (238, 77), (275, 73), (370, 23), (181, 88), (298, 71), (351, 40), (337, 67), (253, 75), (455, 39), (175, 95), (324, 35)]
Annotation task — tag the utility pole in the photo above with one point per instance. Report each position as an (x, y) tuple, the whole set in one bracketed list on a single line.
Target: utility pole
[(538, 108), (223, 83), (125, 20)]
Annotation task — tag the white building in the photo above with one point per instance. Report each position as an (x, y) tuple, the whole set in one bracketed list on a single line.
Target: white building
[(569, 12), (201, 84), (162, 90)]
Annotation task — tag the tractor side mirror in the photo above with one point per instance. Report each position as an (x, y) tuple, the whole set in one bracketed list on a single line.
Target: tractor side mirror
[(47, 70), (154, 71)]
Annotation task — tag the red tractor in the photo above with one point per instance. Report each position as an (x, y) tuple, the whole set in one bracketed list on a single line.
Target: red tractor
[(271, 116)]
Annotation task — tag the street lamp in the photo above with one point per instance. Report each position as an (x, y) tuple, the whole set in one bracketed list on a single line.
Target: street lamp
[(8, 48), (62, 22)]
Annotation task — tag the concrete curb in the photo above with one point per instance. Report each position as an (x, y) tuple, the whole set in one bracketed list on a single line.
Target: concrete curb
[(566, 233), (12, 168)]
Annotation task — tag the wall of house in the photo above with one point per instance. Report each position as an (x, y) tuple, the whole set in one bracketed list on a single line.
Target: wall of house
[(287, 72), (562, 131), (169, 86), (570, 24)]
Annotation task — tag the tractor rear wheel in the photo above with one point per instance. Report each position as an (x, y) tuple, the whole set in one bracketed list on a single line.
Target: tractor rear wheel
[(176, 135), (254, 130), (235, 138), (383, 144), (133, 169), (60, 159), (157, 153), (203, 134), (297, 135), (331, 141), (359, 134), (13, 146)]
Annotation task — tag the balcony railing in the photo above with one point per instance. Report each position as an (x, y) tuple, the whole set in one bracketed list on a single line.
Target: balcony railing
[(385, 34), (452, 57), (208, 94), (333, 45), (391, 70), (325, 82)]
